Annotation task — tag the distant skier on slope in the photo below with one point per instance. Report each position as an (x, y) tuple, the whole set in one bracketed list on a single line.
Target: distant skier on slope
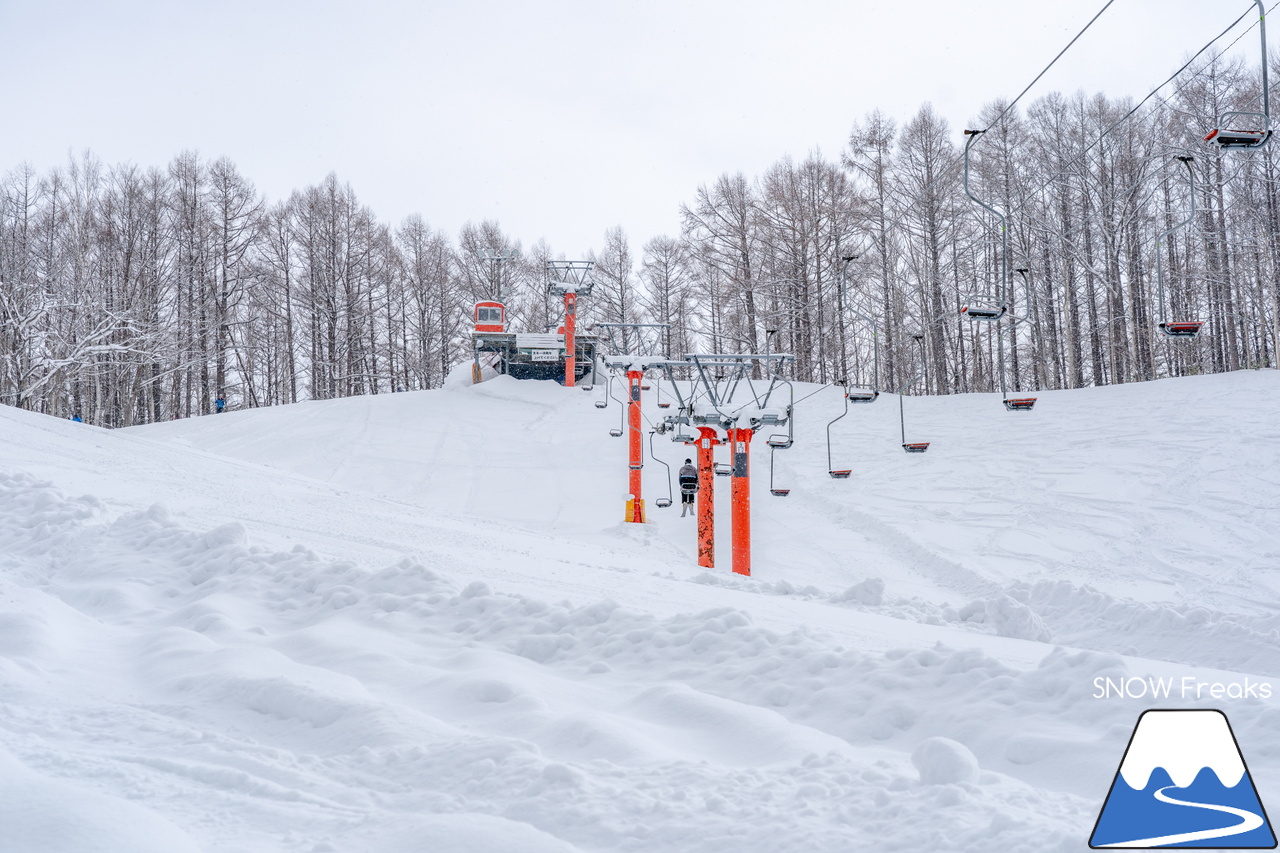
[(688, 486)]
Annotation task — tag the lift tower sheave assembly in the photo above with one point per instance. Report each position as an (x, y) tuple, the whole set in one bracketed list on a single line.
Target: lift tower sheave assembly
[(570, 279)]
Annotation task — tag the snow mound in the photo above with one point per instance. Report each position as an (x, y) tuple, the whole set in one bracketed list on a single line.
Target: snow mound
[(943, 761)]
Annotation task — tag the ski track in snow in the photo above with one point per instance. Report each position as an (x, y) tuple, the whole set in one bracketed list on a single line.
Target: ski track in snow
[(446, 639)]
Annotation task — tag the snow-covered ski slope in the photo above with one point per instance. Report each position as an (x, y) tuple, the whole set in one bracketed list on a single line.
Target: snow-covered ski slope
[(414, 622)]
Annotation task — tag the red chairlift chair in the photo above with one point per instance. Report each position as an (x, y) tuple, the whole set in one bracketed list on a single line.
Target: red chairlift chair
[(1184, 329)]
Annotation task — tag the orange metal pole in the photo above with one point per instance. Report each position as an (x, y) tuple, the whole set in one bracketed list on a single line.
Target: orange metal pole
[(570, 351), (635, 508), (707, 497), (739, 450)]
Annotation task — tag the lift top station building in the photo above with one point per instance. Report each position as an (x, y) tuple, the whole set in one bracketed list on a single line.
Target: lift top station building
[(536, 355)]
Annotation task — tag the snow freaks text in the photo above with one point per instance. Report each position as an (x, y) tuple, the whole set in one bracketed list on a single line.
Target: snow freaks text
[(1186, 687)]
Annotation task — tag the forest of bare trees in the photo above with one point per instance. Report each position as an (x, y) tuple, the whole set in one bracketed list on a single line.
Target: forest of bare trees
[(129, 294)]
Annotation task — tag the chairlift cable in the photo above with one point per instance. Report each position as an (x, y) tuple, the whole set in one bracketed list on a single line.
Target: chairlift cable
[(1047, 67), (1157, 89)]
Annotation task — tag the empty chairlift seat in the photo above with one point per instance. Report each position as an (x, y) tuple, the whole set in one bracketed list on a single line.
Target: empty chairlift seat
[(779, 442), (1020, 404), (1186, 329), (723, 469), (916, 446), (842, 474), (863, 395), (984, 308)]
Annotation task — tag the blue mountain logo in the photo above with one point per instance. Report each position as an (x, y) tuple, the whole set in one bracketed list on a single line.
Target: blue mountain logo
[(1183, 783)]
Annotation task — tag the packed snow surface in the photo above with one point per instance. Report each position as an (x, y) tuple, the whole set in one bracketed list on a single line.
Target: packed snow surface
[(415, 622)]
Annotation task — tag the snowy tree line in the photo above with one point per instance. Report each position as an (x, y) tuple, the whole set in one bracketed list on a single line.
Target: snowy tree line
[(129, 295)]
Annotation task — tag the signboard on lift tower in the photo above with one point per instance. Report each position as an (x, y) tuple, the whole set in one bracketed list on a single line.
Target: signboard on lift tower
[(532, 340)]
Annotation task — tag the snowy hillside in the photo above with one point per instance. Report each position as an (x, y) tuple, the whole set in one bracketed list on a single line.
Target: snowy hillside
[(415, 622)]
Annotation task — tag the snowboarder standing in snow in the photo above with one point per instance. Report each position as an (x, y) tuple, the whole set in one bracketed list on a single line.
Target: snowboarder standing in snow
[(688, 486)]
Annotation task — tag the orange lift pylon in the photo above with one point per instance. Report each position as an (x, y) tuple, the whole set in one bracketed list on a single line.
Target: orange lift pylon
[(707, 441), (633, 367), (635, 449), (570, 279), (740, 498)]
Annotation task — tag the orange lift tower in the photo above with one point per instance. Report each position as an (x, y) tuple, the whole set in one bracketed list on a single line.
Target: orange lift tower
[(723, 403), (570, 279), (633, 367)]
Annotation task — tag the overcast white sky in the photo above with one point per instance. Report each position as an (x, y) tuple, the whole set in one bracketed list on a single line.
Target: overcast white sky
[(559, 119)]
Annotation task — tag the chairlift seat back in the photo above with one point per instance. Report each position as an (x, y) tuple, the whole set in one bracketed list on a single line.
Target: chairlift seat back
[(780, 493), (615, 432), (663, 503), (1020, 404), (689, 488), (601, 404), (1182, 329), (779, 442), (916, 446), (664, 405), (723, 469), (863, 396), (840, 475)]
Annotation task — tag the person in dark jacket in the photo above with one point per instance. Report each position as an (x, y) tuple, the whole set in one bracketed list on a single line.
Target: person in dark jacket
[(688, 486)]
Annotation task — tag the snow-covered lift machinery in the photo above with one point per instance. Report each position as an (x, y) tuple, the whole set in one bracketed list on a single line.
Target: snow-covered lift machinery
[(570, 279), (993, 307), (1259, 134), (527, 355), (521, 355), (1182, 328)]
